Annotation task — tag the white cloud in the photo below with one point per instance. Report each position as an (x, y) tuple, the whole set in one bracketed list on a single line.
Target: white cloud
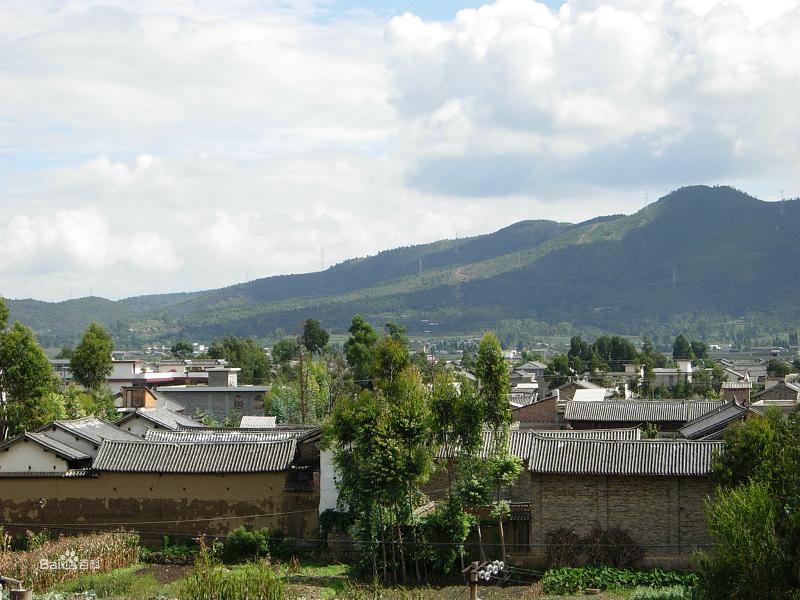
[(565, 88), (171, 145)]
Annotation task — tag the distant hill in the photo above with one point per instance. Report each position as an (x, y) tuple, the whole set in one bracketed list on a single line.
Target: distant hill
[(697, 250)]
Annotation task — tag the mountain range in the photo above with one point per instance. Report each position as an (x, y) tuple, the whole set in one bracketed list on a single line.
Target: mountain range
[(697, 251)]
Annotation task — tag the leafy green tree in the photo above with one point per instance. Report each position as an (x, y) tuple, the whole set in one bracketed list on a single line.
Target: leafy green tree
[(778, 368), (468, 359), (66, 352), (3, 313), (245, 354), (27, 383), (614, 351), (558, 371), (91, 362), (681, 348), (285, 350), (314, 337), (391, 356), (699, 350), (182, 349), (383, 456), (494, 384), (754, 517), (359, 349)]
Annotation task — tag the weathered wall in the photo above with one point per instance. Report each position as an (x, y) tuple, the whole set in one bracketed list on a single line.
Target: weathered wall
[(663, 514), (24, 456), (138, 426), (219, 403), (161, 504)]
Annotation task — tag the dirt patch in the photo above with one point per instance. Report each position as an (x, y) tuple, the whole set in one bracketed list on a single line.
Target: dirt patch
[(166, 573)]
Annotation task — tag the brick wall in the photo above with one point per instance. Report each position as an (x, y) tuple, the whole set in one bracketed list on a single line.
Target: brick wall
[(539, 414), (663, 514)]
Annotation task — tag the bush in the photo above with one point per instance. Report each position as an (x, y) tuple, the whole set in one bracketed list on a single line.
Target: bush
[(612, 548), (212, 581), (747, 560), (677, 592), (570, 580), (183, 553), (563, 547), (242, 545)]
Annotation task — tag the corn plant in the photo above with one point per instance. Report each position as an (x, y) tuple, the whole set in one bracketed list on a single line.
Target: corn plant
[(66, 558)]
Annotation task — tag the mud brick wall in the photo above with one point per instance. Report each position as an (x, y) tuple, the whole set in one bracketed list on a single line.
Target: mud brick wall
[(160, 503)]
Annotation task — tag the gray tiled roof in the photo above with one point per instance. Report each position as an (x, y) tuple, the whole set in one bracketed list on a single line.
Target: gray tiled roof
[(230, 435), (640, 411), (636, 458), (165, 457), (58, 448), (714, 421), (258, 422), (91, 428), (520, 439), (162, 416)]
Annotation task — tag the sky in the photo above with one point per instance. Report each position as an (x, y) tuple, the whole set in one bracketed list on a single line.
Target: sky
[(177, 145)]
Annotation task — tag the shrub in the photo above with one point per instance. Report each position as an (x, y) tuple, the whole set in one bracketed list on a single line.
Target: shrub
[(212, 581), (570, 580), (242, 544), (563, 547), (183, 553), (747, 560), (612, 548)]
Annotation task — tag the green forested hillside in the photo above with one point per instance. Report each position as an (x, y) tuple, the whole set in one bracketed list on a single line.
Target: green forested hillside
[(697, 251)]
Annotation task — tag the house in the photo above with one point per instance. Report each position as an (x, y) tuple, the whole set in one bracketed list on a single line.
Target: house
[(668, 377), (655, 490), (783, 395), (142, 420), (35, 453), (543, 414), (736, 390), (221, 396), (567, 391), (667, 415), (186, 488), (532, 368), (85, 435), (125, 373), (712, 425), (130, 397)]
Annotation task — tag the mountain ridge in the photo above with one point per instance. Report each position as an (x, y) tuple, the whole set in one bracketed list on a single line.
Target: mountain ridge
[(681, 252)]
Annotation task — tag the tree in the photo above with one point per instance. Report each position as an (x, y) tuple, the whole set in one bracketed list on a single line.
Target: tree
[(699, 350), (285, 350), (91, 362), (27, 383), (493, 377), (314, 337), (3, 314), (245, 354), (778, 368), (359, 349), (391, 356), (754, 517), (681, 348), (182, 349)]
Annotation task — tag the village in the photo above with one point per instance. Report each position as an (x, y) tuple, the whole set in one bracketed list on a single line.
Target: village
[(194, 454)]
